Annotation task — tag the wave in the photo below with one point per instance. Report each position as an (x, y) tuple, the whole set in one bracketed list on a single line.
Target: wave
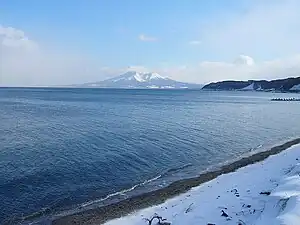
[(256, 147), (122, 192), (172, 170)]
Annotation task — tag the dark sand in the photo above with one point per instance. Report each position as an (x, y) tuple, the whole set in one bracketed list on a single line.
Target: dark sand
[(124, 207)]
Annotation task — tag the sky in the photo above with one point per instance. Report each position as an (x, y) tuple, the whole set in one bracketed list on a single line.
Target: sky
[(73, 41)]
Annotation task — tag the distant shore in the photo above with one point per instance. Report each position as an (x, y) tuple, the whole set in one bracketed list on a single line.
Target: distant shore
[(102, 214)]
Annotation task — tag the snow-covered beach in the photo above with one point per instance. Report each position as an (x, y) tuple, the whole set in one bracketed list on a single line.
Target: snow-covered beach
[(260, 189), (267, 192)]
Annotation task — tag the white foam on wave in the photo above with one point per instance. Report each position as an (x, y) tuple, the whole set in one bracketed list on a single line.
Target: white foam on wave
[(125, 191), (122, 192)]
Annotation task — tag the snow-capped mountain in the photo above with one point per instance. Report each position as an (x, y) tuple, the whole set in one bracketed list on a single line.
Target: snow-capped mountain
[(133, 79)]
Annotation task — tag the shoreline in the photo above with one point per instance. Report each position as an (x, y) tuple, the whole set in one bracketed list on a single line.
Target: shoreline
[(103, 214)]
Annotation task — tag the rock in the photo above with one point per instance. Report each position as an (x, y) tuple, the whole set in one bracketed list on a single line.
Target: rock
[(224, 214), (265, 193)]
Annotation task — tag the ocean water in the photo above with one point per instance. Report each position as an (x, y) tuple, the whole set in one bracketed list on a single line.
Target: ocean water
[(61, 149)]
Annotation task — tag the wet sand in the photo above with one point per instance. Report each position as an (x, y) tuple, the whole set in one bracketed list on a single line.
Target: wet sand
[(124, 207)]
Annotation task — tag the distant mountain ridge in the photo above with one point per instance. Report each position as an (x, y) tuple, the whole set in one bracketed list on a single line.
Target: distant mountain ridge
[(280, 85), (144, 80)]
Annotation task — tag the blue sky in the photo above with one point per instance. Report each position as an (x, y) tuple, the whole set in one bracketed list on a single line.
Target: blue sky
[(170, 36), (110, 29)]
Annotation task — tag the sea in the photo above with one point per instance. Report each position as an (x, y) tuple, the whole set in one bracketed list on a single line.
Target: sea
[(64, 150)]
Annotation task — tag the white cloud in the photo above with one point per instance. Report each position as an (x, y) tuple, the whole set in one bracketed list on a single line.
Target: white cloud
[(195, 42), (208, 71), (24, 63), (267, 29), (11, 37), (244, 60), (146, 38)]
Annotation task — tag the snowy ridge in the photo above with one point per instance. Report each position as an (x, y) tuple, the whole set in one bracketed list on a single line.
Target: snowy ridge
[(249, 87), (295, 88), (265, 193)]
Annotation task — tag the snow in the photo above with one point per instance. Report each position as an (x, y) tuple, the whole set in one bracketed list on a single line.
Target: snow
[(295, 88), (238, 196), (139, 76), (259, 88), (153, 87), (118, 79), (156, 76), (144, 77), (167, 87), (249, 87)]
